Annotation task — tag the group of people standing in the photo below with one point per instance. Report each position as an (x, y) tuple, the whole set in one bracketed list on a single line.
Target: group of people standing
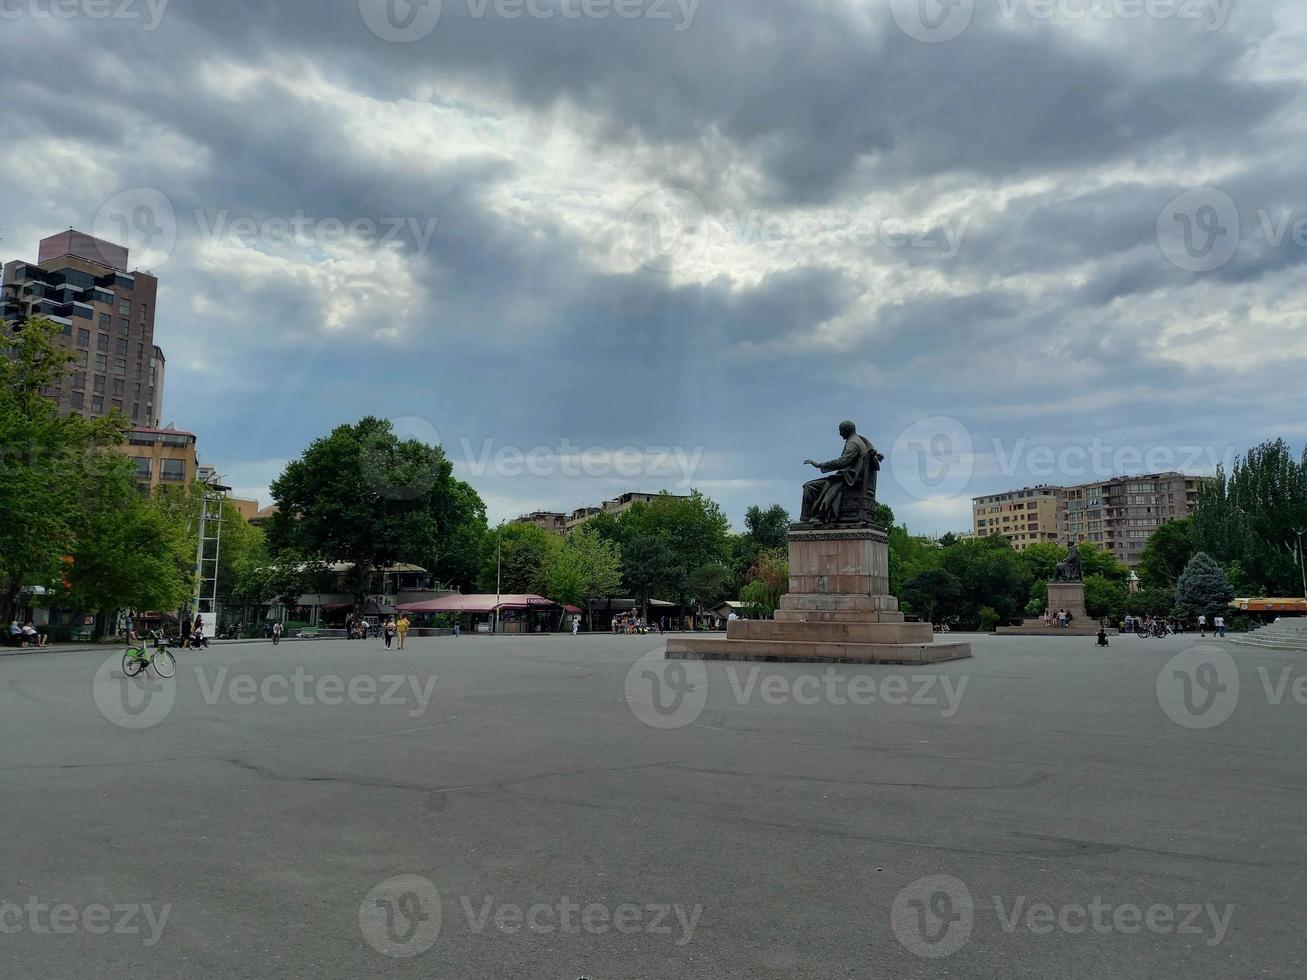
[(1061, 619)]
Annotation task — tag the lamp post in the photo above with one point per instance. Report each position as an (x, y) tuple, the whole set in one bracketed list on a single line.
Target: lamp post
[(499, 542), (1302, 567)]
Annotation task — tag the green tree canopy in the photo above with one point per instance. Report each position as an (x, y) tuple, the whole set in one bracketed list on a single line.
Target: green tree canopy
[(1166, 554), (1203, 589), (364, 496)]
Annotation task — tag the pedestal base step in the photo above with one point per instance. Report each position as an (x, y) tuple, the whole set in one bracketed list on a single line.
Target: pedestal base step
[(1042, 630), (810, 651)]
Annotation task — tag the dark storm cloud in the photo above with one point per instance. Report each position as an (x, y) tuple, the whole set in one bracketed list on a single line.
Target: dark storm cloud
[(515, 330)]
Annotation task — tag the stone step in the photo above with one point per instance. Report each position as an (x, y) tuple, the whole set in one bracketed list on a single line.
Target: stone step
[(828, 616), (797, 651), (841, 602), (827, 632)]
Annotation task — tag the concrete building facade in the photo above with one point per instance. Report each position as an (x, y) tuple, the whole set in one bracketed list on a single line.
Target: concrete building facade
[(557, 522), (163, 457), (106, 317), (1117, 515)]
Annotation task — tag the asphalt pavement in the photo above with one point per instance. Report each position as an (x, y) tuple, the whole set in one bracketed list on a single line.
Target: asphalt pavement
[(561, 807)]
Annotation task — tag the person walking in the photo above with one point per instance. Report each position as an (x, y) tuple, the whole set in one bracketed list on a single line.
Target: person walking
[(401, 627), (576, 625), (130, 628), (389, 631), (1219, 624), (1202, 626), (276, 633)]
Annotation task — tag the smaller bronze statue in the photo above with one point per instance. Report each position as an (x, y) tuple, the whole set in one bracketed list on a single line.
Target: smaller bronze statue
[(847, 494), (1070, 570)]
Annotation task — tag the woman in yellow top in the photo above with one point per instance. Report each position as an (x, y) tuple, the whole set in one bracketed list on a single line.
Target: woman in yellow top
[(401, 628)]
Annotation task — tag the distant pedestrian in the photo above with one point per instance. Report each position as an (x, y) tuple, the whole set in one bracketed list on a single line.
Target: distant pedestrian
[(276, 633), (1102, 637), (1219, 623), (389, 631), (401, 627), (1202, 626), (576, 625), (130, 628)]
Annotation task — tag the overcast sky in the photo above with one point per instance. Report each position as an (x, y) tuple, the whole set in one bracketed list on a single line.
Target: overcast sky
[(642, 244)]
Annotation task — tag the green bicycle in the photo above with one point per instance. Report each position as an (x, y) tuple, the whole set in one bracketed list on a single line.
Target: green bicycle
[(138, 658)]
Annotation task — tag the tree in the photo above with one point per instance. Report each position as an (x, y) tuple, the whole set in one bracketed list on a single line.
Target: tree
[(361, 495), (651, 570), (708, 584), (1166, 554), (522, 551), (1104, 598), (769, 579), (1252, 516), (130, 553), (693, 528), (49, 462), (1203, 589), (930, 590), (586, 568), (768, 528)]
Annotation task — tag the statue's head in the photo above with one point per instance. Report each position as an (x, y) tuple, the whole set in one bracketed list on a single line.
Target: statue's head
[(847, 429)]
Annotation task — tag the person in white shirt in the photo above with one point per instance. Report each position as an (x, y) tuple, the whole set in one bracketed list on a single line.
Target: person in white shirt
[(1219, 623), (1202, 625)]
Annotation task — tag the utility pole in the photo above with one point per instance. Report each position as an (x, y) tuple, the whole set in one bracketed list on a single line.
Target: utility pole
[(1302, 567)]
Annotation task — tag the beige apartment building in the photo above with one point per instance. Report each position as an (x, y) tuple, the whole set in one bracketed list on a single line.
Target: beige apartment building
[(163, 457), (1118, 515), (1025, 517)]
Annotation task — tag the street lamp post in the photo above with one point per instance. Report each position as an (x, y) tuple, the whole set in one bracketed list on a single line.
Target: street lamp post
[(1302, 566), (499, 541)]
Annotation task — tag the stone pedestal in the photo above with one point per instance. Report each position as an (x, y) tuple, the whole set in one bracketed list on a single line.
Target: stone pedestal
[(838, 610), (1061, 595)]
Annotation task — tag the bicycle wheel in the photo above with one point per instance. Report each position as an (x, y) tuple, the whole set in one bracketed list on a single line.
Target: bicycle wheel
[(132, 662), (164, 664)]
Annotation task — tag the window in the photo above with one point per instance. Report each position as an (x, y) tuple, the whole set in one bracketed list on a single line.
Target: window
[(97, 403), (124, 328), (117, 405), (99, 383), (77, 399), (101, 362), (79, 379), (167, 439), (136, 391), (120, 346), (83, 338), (119, 367), (80, 360), (118, 387), (105, 320), (125, 308), (102, 342), (142, 467), (136, 411), (173, 469)]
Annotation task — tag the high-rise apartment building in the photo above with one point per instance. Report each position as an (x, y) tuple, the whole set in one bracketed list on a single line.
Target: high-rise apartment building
[(1118, 515), (106, 314), (1121, 514)]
